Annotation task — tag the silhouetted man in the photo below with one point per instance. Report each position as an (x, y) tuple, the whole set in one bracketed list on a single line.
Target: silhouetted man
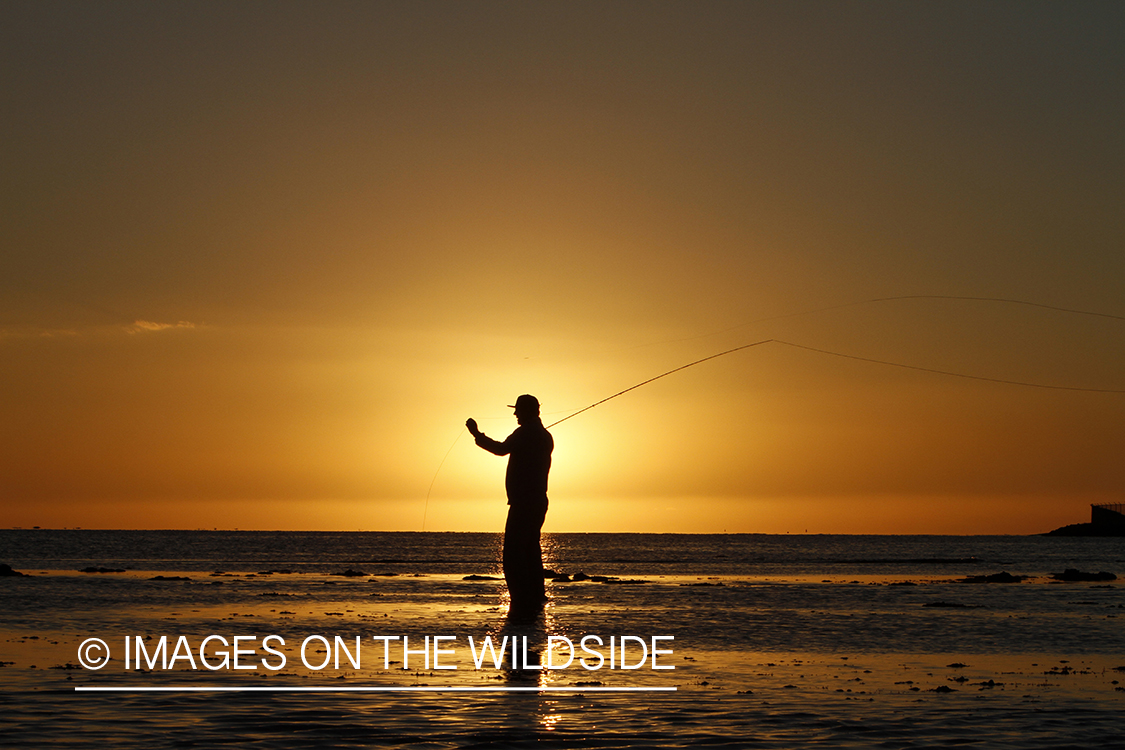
[(529, 461)]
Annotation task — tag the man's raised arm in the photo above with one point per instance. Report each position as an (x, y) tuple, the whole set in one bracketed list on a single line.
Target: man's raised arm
[(484, 441)]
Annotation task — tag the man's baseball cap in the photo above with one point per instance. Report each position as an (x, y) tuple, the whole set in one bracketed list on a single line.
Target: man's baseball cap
[(526, 403)]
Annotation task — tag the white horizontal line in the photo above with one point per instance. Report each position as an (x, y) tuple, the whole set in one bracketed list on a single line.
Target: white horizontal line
[(330, 689)]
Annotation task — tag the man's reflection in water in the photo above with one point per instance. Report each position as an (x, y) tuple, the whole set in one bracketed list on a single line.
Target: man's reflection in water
[(525, 658), (528, 714)]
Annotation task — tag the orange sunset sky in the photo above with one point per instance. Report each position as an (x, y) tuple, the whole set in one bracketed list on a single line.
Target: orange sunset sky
[(260, 261)]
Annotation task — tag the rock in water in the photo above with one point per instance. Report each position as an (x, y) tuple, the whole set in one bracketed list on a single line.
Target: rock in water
[(1073, 574)]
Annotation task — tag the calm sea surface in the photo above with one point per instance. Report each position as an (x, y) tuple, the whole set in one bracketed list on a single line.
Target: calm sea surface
[(778, 641), (641, 554)]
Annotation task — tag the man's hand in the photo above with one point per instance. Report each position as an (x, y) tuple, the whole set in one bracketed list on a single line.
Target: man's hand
[(472, 425)]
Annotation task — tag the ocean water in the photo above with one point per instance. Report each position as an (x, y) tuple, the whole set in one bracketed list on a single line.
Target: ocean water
[(776, 641)]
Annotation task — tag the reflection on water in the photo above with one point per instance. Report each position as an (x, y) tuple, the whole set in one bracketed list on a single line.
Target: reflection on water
[(551, 545), (525, 647)]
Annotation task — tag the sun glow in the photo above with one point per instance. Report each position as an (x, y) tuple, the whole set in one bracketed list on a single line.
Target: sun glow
[(299, 293)]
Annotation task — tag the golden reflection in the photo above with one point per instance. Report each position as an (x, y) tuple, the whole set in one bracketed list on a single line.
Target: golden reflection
[(551, 546), (548, 721), (525, 650)]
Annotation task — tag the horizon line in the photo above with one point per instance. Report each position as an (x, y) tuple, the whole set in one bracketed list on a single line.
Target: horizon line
[(500, 533)]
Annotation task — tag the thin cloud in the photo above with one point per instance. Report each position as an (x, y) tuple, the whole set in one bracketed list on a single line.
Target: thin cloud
[(141, 326), (26, 332)]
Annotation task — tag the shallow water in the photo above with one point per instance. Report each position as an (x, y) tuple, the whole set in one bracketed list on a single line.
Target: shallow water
[(778, 641)]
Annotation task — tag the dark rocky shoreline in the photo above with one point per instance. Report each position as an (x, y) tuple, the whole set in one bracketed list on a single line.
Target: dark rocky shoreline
[(1087, 529)]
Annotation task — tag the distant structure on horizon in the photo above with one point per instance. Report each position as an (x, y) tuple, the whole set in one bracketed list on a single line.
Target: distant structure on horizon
[(1105, 520)]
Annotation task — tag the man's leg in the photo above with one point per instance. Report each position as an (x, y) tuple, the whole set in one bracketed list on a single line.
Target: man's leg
[(523, 556)]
